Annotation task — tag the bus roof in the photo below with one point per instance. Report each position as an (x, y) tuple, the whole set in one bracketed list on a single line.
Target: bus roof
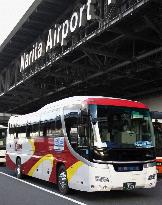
[(116, 102), (98, 100)]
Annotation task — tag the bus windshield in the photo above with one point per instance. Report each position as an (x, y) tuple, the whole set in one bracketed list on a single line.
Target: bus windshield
[(121, 127)]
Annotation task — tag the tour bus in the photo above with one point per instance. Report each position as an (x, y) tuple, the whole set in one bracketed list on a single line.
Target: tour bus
[(85, 143), (3, 144), (157, 123)]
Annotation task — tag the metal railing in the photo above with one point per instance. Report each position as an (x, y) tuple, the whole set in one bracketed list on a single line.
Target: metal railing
[(118, 7)]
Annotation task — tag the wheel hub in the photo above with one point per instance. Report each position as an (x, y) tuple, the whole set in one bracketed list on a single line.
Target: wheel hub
[(62, 179)]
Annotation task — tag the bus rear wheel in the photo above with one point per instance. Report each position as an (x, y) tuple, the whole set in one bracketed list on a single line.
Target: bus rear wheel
[(62, 180), (18, 169)]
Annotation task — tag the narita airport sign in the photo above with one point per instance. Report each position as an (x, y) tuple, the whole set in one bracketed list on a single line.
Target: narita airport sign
[(58, 35)]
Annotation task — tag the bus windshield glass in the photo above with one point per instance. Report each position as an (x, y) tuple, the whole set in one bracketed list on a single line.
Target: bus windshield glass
[(121, 127)]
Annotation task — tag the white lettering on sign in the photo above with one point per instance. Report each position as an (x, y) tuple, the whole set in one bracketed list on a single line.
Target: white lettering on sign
[(74, 22), (58, 35), (111, 1), (41, 50), (55, 36), (49, 41), (82, 16), (90, 11), (28, 58), (65, 31)]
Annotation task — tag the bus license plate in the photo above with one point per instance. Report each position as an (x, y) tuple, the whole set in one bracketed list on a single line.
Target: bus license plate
[(129, 186)]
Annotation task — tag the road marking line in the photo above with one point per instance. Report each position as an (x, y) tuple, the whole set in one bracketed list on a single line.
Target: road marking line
[(46, 190)]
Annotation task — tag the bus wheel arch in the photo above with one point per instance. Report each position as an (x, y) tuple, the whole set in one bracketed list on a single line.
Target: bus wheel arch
[(62, 181), (18, 170)]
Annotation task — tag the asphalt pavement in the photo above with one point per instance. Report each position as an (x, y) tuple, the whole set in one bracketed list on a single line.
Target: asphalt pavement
[(37, 192)]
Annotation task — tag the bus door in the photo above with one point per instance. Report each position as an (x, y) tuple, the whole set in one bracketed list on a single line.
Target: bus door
[(78, 130)]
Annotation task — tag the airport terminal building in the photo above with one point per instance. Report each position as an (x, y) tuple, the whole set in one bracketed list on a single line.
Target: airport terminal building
[(83, 47)]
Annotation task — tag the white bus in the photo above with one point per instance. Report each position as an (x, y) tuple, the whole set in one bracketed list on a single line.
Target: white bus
[(85, 143), (3, 132)]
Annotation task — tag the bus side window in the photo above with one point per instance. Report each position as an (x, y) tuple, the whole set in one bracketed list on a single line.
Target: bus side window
[(51, 128), (28, 131), (58, 131), (2, 134), (35, 130), (54, 128), (71, 118), (21, 132), (43, 129), (72, 130), (12, 132)]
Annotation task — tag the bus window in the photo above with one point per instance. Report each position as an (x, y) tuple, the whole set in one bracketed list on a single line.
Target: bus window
[(43, 129), (28, 131), (35, 131), (32, 131), (21, 132), (58, 130), (104, 130), (83, 139), (54, 128), (71, 124), (2, 138), (12, 133), (51, 126), (122, 127), (78, 132)]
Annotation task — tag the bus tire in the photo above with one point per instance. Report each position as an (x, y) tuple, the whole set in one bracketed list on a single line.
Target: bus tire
[(62, 180), (18, 171)]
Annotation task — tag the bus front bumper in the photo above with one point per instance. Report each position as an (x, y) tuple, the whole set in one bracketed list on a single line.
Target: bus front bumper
[(106, 180)]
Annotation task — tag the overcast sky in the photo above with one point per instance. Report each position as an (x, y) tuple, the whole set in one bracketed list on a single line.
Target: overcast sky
[(11, 12)]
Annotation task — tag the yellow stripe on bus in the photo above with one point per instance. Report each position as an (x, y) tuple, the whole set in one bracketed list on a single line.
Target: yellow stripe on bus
[(31, 141), (47, 157), (73, 169)]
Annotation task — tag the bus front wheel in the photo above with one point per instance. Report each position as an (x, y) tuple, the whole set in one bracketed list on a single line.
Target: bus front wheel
[(18, 169), (62, 180)]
